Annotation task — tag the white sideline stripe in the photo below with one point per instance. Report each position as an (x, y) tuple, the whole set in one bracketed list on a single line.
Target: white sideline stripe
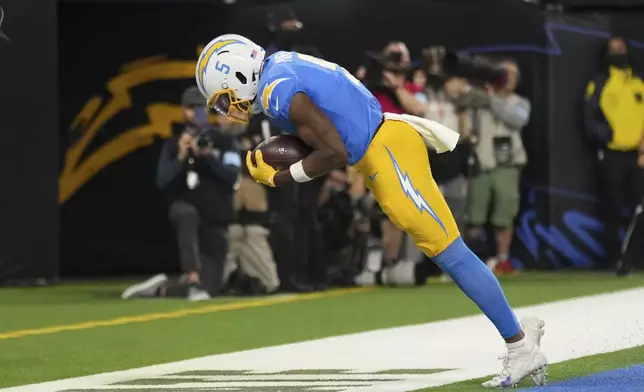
[(288, 377), (574, 328)]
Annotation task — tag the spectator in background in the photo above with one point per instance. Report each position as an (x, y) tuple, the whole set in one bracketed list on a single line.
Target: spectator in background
[(250, 267), (337, 215), (614, 122), (449, 169), (197, 171), (396, 94), (308, 240), (282, 28), (498, 118)]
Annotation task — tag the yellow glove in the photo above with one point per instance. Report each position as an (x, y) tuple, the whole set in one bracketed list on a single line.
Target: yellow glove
[(263, 172)]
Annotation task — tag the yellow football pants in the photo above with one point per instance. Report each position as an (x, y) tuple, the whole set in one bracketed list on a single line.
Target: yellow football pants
[(396, 169)]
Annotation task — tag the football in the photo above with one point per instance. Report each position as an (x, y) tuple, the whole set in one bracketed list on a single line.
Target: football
[(282, 151)]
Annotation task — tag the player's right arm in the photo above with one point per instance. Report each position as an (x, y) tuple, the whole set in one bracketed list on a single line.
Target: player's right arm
[(316, 130)]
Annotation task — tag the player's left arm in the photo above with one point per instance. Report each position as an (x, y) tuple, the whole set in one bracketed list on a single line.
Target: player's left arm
[(316, 130)]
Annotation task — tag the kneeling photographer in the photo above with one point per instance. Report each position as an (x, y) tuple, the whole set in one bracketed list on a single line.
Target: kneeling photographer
[(197, 172)]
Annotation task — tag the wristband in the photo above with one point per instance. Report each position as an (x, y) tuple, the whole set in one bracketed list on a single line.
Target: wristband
[(297, 172)]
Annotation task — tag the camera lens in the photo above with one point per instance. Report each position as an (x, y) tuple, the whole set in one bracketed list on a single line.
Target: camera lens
[(202, 142)]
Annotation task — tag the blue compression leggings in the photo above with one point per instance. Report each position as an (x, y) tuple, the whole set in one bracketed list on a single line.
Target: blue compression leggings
[(479, 284)]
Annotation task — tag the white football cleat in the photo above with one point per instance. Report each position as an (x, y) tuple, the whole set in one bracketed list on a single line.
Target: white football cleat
[(147, 288), (524, 360), (536, 329), (365, 278), (196, 294)]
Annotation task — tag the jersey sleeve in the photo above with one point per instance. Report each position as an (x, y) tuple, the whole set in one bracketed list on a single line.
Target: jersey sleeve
[(278, 91)]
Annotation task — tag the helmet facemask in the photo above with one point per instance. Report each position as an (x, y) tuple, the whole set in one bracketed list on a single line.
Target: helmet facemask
[(227, 103)]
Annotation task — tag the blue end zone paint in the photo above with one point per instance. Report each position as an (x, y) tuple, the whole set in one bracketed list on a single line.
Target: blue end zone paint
[(629, 379)]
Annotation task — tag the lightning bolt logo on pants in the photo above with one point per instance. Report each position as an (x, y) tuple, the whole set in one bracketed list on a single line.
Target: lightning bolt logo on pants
[(412, 193)]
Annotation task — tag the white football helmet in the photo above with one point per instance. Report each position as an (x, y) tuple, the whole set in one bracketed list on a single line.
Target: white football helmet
[(228, 75)]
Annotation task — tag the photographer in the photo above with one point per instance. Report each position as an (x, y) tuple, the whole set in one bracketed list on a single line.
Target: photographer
[(499, 116), (282, 30), (449, 169), (250, 266), (345, 225), (385, 78), (197, 171)]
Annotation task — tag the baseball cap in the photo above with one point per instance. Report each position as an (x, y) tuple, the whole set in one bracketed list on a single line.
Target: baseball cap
[(192, 97)]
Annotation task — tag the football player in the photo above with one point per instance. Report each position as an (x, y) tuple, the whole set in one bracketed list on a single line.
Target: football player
[(332, 112)]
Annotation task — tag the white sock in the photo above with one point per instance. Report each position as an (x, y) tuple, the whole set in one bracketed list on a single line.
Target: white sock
[(516, 345), (385, 276)]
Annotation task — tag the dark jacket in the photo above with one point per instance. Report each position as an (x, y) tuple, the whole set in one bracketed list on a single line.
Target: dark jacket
[(217, 173), (596, 125)]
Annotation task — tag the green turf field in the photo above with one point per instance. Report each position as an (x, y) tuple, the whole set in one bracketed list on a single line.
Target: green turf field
[(73, 330)]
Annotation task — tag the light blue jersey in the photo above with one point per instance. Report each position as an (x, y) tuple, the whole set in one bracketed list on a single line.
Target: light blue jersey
[(352, 109)]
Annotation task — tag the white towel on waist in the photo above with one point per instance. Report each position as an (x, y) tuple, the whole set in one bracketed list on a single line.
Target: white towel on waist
[(435, 135)]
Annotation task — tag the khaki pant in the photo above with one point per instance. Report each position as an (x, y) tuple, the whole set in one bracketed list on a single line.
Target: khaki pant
[(249, 250), (498, 187)]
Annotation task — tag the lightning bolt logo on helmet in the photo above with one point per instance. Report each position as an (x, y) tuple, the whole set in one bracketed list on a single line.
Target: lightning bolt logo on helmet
[(227, 75)]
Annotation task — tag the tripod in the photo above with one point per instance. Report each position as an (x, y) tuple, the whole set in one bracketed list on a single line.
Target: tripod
[(623, 267)]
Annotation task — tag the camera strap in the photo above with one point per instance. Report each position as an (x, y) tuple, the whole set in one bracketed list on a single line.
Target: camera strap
[(476, 127), (473, 166)]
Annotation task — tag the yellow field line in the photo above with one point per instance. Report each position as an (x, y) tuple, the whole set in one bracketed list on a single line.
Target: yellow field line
[(179, 313)]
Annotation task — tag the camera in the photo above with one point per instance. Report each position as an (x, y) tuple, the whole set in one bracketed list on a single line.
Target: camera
[(476, 69), (204, 138), (377, 63), (440, 63)]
